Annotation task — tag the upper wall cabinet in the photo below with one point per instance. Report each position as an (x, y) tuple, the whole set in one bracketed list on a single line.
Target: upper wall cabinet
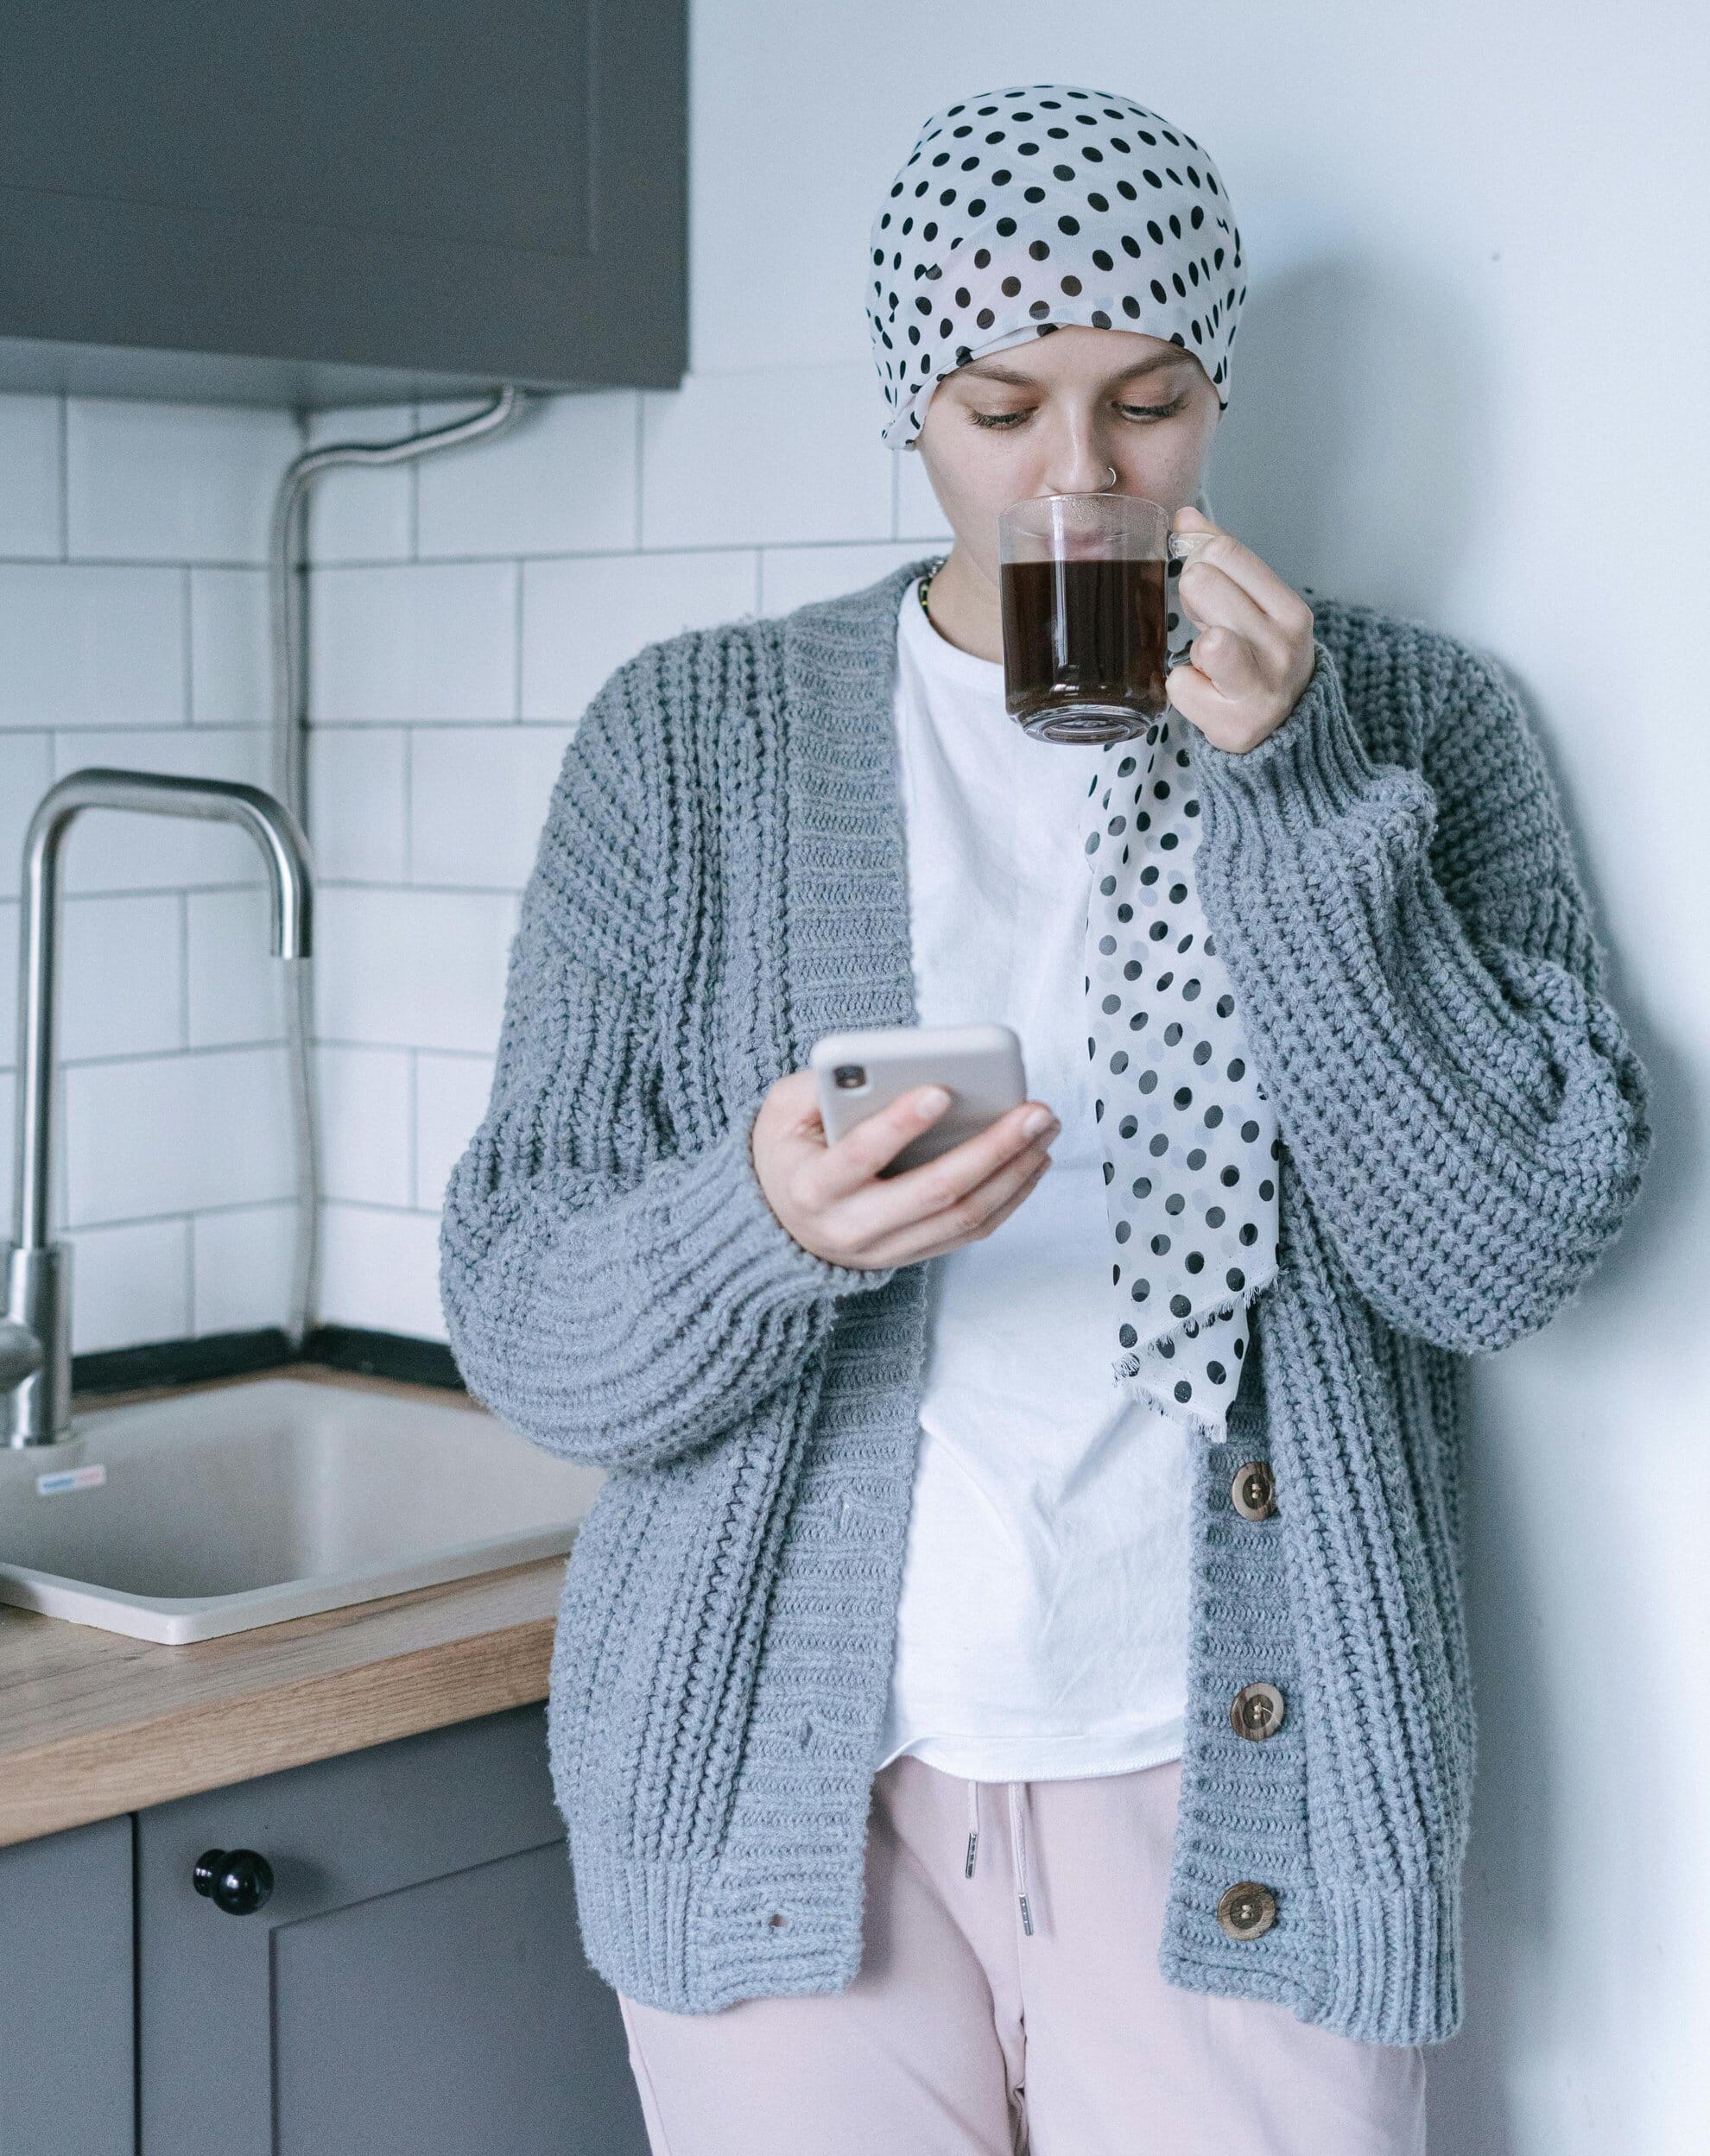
[(318, 202)]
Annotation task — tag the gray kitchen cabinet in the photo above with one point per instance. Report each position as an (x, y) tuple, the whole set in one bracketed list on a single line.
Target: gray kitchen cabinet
[(66, 1995), (412, 1985), (320, 203)]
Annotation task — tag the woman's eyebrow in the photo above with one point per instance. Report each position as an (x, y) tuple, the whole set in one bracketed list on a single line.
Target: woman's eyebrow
[(982, 370)]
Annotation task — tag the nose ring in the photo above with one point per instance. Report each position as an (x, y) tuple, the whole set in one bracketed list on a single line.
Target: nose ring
[(1111, 482)]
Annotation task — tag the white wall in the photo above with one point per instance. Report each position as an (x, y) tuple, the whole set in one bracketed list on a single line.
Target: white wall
[(1468, 386)]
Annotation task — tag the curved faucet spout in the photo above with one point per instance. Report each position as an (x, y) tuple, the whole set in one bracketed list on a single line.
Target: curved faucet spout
[(283, 846), (41, 1401)]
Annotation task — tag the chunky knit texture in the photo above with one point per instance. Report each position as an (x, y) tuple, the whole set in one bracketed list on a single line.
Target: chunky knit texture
[(720, 879)]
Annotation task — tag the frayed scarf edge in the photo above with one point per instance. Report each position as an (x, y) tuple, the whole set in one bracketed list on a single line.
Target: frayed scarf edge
[(1132, 1369)]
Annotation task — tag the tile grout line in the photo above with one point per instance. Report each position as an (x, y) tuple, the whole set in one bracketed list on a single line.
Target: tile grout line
[(640, 468), (183, 897), (189, 640), (64, 477), (412, 1128), (516, 643)]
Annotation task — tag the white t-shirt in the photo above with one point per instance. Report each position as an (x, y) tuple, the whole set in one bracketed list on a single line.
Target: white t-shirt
[(1043, 1629)]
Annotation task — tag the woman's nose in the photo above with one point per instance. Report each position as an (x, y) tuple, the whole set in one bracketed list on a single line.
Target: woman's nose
[(1080, 468)]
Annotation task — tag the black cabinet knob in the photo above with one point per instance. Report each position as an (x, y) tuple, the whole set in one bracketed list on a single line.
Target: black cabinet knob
[(236, 1880)]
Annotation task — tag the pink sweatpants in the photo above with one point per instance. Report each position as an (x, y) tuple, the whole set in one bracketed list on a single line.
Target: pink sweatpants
[(965, 2034)]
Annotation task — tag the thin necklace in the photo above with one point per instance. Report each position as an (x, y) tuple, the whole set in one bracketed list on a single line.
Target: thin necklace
[(925, 584)]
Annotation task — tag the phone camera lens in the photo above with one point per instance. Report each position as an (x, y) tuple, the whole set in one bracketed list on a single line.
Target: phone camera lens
[(849, 1077)]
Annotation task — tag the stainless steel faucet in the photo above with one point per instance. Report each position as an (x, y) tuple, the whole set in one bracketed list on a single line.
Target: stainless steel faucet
[(35, 1328)]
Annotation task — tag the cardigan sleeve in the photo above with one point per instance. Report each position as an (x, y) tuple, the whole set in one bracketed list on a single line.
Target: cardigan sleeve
[(616, 1300), (1423, 992)]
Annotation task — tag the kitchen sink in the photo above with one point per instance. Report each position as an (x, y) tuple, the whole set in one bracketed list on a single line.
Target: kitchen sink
[(203, 1513)]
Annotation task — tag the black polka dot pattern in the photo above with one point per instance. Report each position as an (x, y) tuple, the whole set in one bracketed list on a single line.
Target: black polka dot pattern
[(1022, 210), (1189, 1137)]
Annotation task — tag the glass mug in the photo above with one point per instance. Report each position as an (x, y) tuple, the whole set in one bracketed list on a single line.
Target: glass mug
[(1084, 583)]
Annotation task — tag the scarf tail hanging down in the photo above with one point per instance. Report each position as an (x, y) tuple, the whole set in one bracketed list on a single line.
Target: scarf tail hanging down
[(1188, 1135)]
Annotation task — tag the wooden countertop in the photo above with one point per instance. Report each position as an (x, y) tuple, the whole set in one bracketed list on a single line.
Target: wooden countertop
[(93, 1723)]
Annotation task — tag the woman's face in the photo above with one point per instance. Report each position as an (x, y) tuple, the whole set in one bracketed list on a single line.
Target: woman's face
[(1054, 416)]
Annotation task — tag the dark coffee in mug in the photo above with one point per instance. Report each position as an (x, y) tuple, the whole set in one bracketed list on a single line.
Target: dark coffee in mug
[(1084, 646)]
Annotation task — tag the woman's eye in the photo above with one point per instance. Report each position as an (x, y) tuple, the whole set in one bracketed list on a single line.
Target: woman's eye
[(1014, 419)]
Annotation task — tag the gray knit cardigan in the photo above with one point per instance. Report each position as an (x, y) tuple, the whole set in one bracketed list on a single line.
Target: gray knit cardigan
[(720, 880)]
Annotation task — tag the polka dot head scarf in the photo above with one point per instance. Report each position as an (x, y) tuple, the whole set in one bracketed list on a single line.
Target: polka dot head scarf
[(1020, 210)]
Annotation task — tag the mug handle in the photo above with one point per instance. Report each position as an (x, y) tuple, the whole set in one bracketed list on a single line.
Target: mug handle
[(1182, 546)]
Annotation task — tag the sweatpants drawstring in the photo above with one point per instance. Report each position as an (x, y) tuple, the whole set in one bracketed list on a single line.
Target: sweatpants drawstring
[(1018, 1864), (1018, 1852)]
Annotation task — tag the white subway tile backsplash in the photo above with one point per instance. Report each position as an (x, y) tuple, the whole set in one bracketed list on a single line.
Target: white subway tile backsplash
[(449, 598), (562, 479), (450, 1099), (413, 642), (81, 646), (381, 1270), (478, 799), (120, 977), (360, 512), (130, 1285), (237, 988), (230, 648), (149, 482), (582, 618), (241, 1263), (792, 576), (773, 457), (26, 773), (357, 806), (366, 1139), (114, 849), (30, 506), (412, 968), (171, 1133)]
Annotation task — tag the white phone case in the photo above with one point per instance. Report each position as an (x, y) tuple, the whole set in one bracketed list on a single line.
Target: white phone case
[(864, 1070)]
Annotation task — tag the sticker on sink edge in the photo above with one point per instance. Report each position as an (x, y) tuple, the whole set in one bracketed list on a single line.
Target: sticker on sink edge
[(51, 1484)]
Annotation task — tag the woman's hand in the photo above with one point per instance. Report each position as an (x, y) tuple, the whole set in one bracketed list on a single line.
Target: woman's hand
[(1252, 653), (832, 1200)]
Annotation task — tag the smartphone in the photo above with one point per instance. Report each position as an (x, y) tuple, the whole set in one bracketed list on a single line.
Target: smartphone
[(864, 1070)]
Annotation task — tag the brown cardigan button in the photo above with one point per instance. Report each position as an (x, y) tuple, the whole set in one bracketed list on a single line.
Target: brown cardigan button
[(1253, 1492), (1256, 1711), (1247, 1911)]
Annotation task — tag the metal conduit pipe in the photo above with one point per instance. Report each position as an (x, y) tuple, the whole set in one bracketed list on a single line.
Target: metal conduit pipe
[(289, 778)]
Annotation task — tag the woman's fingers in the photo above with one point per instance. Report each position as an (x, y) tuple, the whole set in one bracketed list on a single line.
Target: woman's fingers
[(853, 1164), (834, 1202), (1214, 600), (1246, 569), (974, 1216), (1229, 664), (937, 1189)]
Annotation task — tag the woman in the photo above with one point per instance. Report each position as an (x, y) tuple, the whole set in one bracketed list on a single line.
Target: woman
[(1026, 1694)]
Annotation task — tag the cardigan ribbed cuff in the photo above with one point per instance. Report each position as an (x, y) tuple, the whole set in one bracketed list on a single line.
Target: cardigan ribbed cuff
[(717, 1227), (1311, 769)]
